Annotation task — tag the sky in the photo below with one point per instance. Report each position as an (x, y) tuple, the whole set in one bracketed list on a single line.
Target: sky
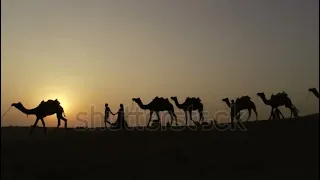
[(88, 53)]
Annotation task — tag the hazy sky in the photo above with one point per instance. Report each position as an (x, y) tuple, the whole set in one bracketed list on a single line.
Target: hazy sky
[(88, 52)]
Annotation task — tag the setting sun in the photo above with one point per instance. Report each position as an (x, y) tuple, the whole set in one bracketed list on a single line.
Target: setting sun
[(63, 99)]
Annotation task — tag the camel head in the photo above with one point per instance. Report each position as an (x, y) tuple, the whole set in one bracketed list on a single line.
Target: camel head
[(225, 99), (261, 94), (137, 100), (174, 98), (312, 89), (17, 105)]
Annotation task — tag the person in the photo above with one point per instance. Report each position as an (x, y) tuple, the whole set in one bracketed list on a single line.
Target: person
[(120, 123), (107, 112)]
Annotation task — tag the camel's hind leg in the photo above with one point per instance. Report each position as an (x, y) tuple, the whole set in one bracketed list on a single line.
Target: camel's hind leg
[(34, 125), (60, 117), (151, 112), (158, 118), (190, 114), (59, 122), (249, 110), (186, 116), (44, 125), (173, 116)]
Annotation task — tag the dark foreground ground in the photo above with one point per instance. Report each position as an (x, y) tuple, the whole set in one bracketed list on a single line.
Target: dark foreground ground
[(268, 149)]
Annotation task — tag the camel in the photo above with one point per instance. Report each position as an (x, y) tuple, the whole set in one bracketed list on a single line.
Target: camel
[(280, 99), (241, 104), (190, 104), (314, 91), (44, 109), (157, 105)]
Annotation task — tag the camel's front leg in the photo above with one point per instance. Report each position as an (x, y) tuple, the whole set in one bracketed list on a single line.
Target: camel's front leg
[(271, 113), (201, 115), (186, 115), (44, 126), (151, 112), (35, 124)]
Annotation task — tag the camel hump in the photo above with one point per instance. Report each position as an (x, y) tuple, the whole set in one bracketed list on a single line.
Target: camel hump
[(244, 98), (160, 100), (280, 95), (49, 102), (193, 100)]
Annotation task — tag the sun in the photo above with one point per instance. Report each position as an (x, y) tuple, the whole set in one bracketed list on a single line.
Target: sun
[(63, 99)]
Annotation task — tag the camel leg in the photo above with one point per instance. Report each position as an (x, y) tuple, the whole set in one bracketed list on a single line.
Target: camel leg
[(65, 123), (255, 111), (157, 113), (294, 112), (59, 116), (186, 116), (281, 115), (201, 115), (173, 116), (59, 122), (238, 116), (271, 113), (190, 114), (274, 114), (151, 112), (44, 125), (290, 112), (34, 125), (249, 110)]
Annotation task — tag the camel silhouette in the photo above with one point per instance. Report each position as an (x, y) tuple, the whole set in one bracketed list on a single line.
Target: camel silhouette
[(314, 91), (280, 99), (240, 104), (44, 109), (189, 105), (157, 105)]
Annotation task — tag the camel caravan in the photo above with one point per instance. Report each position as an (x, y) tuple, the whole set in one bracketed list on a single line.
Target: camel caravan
[(159, 104)]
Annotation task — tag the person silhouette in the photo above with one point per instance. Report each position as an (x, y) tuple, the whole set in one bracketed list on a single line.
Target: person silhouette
[(107, 112), (120, 123), (233, 111)]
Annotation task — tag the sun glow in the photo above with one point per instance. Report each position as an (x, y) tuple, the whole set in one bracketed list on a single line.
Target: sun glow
[(64, 101)]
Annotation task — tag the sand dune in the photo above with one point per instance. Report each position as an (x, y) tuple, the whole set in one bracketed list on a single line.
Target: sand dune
[(268, 149)]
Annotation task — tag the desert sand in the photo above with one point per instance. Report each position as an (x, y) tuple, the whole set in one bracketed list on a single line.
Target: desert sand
[(267, 149)]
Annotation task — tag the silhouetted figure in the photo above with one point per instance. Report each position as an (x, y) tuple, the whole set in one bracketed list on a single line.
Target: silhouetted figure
[(189, 105), (107, 112), (44, 109), (120, 123), (157, 105), (280, 99)]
